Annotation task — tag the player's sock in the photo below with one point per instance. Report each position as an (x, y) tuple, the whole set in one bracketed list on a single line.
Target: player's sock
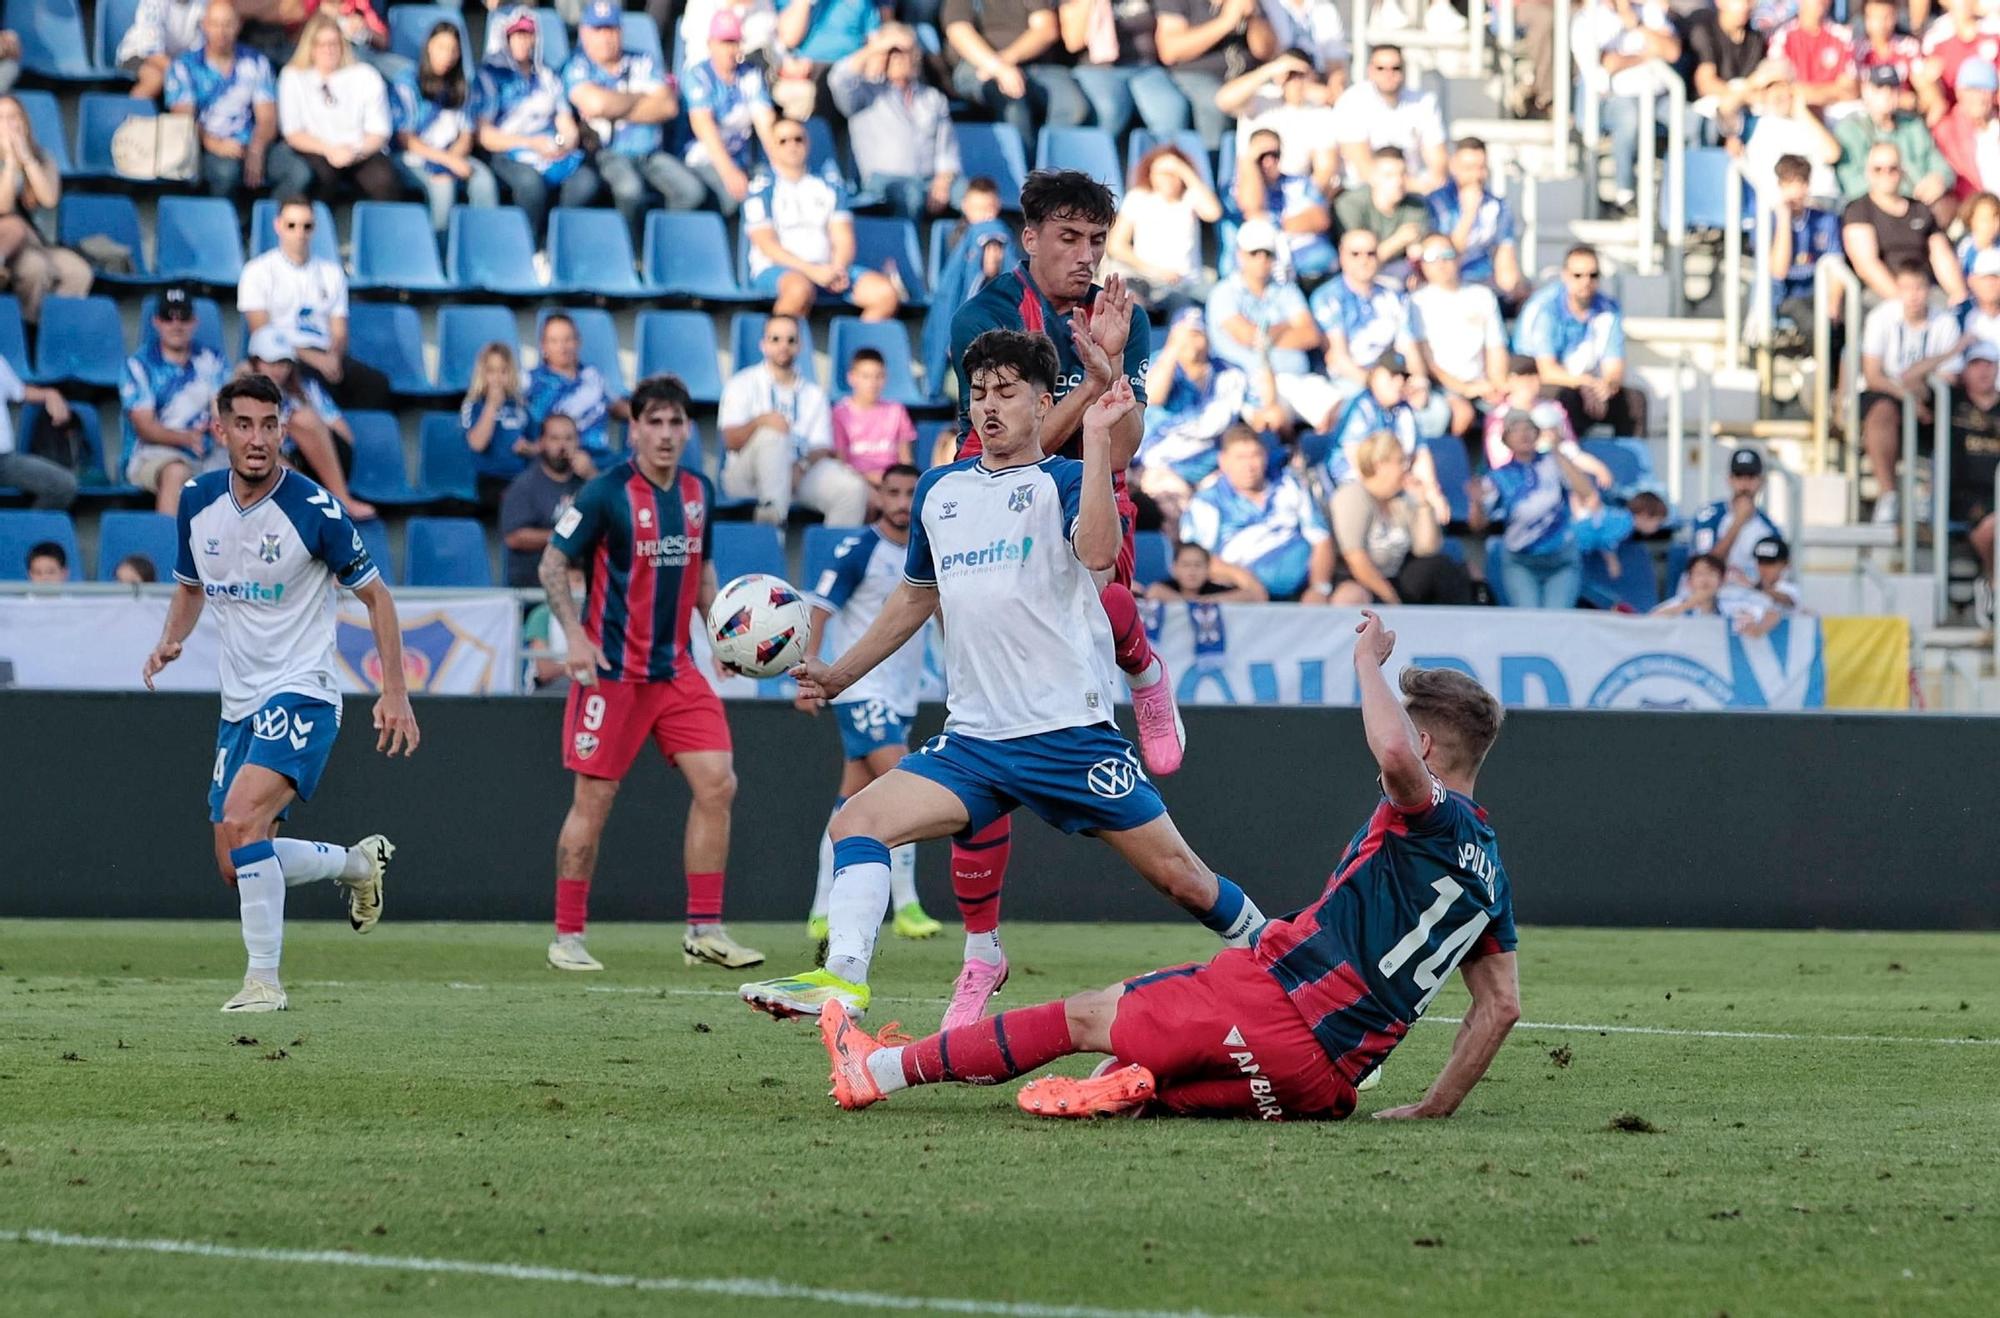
[(860, 900), (903, 876), (310, 862), (572, 901), (984, 947), (978, 868), (1129, 641), (260, 896), (823, 889), (1234, 915), (704, 904), (993, 1049)]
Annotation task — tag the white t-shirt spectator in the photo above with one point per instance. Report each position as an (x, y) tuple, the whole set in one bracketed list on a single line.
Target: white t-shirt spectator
[(342, 109), (1898, 345), (1413, 124), (303, 300), (1302, 130), (754, 391), (1773, 136), (799, 212), (12, 392), (1459, 324), (1164, 233), (1310, 25), (162, 27), (1597, 31)]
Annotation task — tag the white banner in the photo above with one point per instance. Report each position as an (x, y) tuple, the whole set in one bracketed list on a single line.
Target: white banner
[(452, 644)]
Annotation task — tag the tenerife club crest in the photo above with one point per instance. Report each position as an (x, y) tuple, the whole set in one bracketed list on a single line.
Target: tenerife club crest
[(1020, 498), (268, 550)]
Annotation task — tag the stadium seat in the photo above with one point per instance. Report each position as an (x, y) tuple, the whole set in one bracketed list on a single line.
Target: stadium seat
[(554, 37), (1494, 581), (1089, 150), (52, 43), (642, 37), (597, 342), (1707, 193), (879, 240), (1678, 555), (927, 438), (489, 249), (744, 547), (996, 151), (1155, 557), (84, 215), (1454, 469), (375, 538), (21, 529), (592, 252), (121, 531), (682, 342), (1636, 586), (380, 474), (395, 247), (389, 337), (687, 255), (207, 324), (463, 331), (746, 331), (200, 240), (444, 463), (695, 458), (93, 474), (887, 337), (264, 231), (98, 116), (108, 25), (821, 541), (81, 342), (410, 27), (1187, 140), (447, 551), (1627, 459), (14, 337), (45, 121)]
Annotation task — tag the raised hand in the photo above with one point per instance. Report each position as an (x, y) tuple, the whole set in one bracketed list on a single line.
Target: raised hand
[(1097, 363), (1374, 641), (1111, 407), (1111, 318)]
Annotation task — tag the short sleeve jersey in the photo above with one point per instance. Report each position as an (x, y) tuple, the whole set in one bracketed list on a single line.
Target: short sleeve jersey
[(865, 571), (180, 395), (225, 103)]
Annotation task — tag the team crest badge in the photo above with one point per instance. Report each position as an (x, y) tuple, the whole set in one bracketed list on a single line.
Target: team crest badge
[(692, 508), (268, 551), (1021, 498), (586, 745), (645, 517)]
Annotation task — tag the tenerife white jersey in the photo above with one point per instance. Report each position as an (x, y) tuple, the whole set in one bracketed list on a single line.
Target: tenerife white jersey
[(1025, 640), (268, 571), (866, 570)]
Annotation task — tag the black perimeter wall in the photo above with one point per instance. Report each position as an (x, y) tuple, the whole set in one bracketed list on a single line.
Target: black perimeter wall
[(1605, 818)]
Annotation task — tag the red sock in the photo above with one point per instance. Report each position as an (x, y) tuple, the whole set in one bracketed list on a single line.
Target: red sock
[(978, 868), (705, 898), (572, 900), (997, 1048), (1128, 634)]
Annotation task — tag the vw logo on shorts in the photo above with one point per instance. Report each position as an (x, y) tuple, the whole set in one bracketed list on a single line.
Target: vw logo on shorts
[(272, 723), (1112, 778)]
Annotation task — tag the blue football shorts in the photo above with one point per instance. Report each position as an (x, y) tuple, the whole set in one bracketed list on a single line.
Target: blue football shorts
[(866, 726), (1077, 779), (291, 735)]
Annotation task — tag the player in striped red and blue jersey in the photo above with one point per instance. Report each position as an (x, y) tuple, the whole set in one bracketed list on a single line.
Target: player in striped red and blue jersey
[(640, 534)]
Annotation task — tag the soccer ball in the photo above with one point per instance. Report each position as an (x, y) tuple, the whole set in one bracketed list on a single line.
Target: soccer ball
[(759, 625)]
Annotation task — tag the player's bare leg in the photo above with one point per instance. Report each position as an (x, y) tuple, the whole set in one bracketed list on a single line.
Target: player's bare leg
[(1163, 858), (576, 863), (711, 779)]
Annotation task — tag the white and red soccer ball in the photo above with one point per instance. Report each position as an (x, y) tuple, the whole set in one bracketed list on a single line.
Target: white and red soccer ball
[(759, 625)]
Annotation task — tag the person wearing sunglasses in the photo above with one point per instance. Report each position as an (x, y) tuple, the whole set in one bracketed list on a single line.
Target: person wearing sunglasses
[(304, 293), (1363, 316), (229, 89), (777, 433), (1294, 203), (164, 397), (1382, 109), (1576, 335), (900, 128), (801, 236)]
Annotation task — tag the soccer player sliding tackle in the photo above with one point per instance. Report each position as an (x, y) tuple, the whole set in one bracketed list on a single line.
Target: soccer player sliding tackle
[(1288, 1029), (271, 548), (1005, 545)]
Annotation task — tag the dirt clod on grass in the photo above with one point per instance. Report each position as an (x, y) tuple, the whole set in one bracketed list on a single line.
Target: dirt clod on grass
[(1631, 1123)]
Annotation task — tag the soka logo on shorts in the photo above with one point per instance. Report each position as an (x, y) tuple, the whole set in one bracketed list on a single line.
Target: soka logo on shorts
[(1260, 1084), (1113, 777), (1001, 553), (273, 724)]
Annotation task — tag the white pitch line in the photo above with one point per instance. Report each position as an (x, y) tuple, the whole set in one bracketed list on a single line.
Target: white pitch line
[(746, 1288)]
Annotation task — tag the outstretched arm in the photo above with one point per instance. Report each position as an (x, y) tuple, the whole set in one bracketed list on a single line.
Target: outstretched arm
[(395, 721), (906, 610), (182, 615), (1496, 1005), (1392, 738)]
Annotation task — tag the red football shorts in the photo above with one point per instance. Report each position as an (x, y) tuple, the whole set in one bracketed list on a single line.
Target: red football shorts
[(1223, 1040), (605, 725)]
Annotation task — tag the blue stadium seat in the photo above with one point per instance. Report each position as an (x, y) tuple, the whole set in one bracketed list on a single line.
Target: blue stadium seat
[(264, 232), (554, 36), (682, 342), (1635, 586), (463, 331), (375, 537), (21, 529), (447, 551), (642, 37), (996, 151), (1090, 150), (746, 331), (1454, 469), (395, 247), (81, 342), (84, 215), (489, 249), (887, 337), (52, 43), (1494, 581), (592, 252), (1678, 554), (597, 341), (207, 324), (14, 337), (45, 121), (93, 474), (1707, 191), (98, 115), (1155, 557), (687, 255), (1186, 139), (444, 463), (200, 240), (695, 458), (389, 337), (121, 531), (821, 541), (1627, 459), (927, 438), (744, 547), (380, 474), (110, 23), (410, 27), (1225, 162), (879, 240)]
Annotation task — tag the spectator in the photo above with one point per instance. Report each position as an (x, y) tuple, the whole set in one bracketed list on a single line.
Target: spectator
[(977, 248), (1726, 51), (1975, 452), (1577, 337), (1292, 202), (802, 237), (1881, 46), (1731, 528), (1699, 591), (756, 27), (1885, 230), (229, 89), (1902, 342), (1283, 97), (1926, 176), (870, 434), (315, 429), (904, 145), (525, 126), (165, 395), (494, 419), (778, 433), (47, 484), (537, 498), (1121, 71), (1204, 43), (1981, 317), (1458, 332), (1955, 43), (1394, 403), (1821, 53), (816, 34), (624, 100), (1192, 581), (431, 114), (1540, 564), (334, 113), (1480, 224), (1316, 29), (30, 185), (1192, 400), (1624, 50), (1787, 126), (1386, 209), (367, 35), (727, 108), (135, 570), (1801, 235), (1156, 240), (563, 382), (1981, 214), (997, 49), (1522, 393), (1363, 317), (1391, 549), (161, 32), (306, 297), (1966, 131), (1384, 110), (48, 564), (1258, 530), (1772, 581), (1258, 322)]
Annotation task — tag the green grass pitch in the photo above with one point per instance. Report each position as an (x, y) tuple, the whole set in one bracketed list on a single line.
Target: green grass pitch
[(436, 1094)]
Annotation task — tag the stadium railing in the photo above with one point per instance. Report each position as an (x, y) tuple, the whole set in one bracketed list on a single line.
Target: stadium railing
[(1826, 276), (1906, 493)]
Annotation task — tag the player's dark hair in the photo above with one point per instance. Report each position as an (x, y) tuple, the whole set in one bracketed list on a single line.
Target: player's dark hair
[(1462, 716), (1032, 357), (1793, 169), (256, 388), (1721, 569), (1389, 153), (777, 316), (48, 549), (663, 390), (1911, 265), (982, 183), (1647, 502), (1067, 194), (901, 469), (1186, 545), (1397, 51), (866, 355), (142, 565)]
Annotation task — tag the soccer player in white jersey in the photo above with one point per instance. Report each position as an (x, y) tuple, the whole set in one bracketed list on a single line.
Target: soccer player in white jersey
[(875, 713), (1011, 546), (268, 546)]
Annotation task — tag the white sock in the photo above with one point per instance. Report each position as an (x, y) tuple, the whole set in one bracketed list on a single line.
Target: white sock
[(260, 896), (1150, 674), (823, 889), (854, 912), (984, 947), (903, 876), (886, 1066), (310, 862)]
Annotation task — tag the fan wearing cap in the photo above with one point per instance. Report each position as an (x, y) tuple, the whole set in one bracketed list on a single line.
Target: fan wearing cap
[(1730, 528), (1259, 321), (728, 108), (1961, 130), (165, 396), (626, 99), (1458, 331), (1927, 177), (314, 428), (1975, 447), (1772, 558), (1981, 319), (526, 128)]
